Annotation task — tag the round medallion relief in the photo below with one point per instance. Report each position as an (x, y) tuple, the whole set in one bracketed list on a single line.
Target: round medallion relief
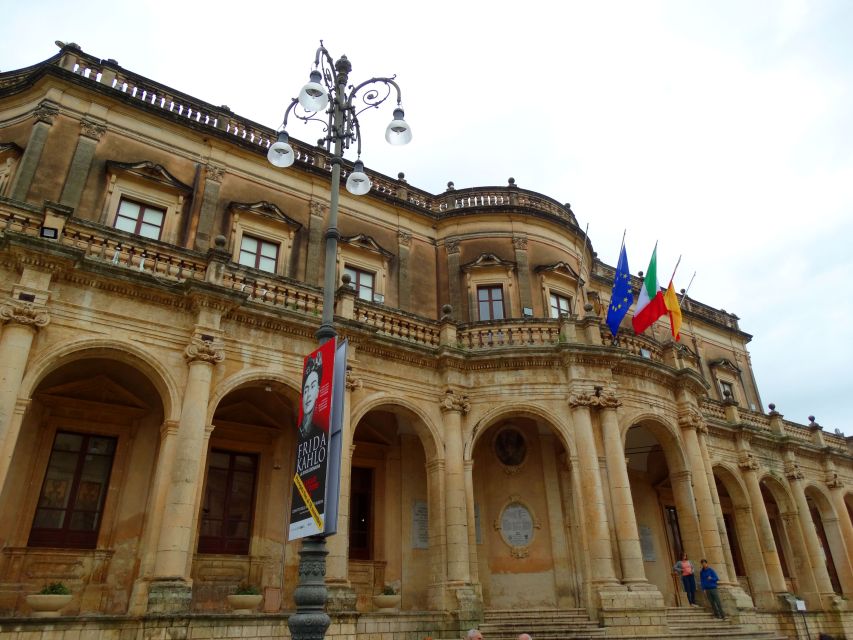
[(517, 525), (511, 447)]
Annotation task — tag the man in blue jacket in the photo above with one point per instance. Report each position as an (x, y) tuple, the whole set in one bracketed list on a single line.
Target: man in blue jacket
[(709, 579)]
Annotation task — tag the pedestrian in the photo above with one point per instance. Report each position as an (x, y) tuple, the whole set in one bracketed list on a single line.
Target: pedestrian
[(684, 569), (524, 636), (708, 578), (474, 634)]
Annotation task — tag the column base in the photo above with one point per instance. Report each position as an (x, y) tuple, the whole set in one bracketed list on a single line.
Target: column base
[(734, 599), (466, 605), (637, 612), (341, 597), (170, 595)]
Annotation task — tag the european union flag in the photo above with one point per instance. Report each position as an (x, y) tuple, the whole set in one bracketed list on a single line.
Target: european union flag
[(621, 297)]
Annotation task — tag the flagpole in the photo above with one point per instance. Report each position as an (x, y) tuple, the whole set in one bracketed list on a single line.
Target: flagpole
[(672, 277), (580, 291), (684, 295)]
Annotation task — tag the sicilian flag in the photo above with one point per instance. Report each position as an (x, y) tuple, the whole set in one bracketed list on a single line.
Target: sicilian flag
[(620, 297), (674, 311), (651, 305)]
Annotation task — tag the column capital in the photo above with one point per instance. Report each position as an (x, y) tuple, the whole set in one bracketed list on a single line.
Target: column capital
[(748, 462), (214, 173), (793, 471), (45, 112), (599, 399), (833, 481), (519, 243), (352, 382), (451, 245), (691, 418), (203, 348), (435, 465), (685, 474), (92, 129), (404, 238), (317, 208), (452, 401), (24, 313), (169, 428)]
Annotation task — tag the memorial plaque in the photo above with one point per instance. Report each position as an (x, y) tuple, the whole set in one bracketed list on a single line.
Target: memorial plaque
[(478, 532), (647, 544), (420, 525), (517, 525)]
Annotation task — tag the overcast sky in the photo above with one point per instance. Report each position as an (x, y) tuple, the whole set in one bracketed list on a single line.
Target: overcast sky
[(721, 129)]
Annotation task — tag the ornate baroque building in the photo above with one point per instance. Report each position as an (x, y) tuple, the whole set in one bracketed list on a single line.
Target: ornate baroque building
[(160, 283)]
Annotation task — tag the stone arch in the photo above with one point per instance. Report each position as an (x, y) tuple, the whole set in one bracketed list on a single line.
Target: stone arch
[(666, 434), (828, 530), (246, 377), (784, 499), (730, 477), (126, 352), (424, 426), (497, 414)]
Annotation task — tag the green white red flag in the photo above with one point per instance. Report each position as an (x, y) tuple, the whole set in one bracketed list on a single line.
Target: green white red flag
[(651, 304)]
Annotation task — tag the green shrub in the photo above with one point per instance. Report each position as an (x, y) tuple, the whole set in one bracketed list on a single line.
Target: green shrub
[(55, 589), (247, 590)]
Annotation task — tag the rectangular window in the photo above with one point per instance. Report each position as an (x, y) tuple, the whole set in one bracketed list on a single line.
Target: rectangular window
[(141, 219), (363, 281), (72, 495), (259, 254), (229, 498), (560, 305), (490, 300)]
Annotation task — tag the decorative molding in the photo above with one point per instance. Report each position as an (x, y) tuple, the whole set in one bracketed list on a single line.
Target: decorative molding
[(404, 238), (519, 242), (366, 242), (595, 400), (452, 401), (203, 350), (24, 313), (214, 173), (150, 171), (352, 382), (317, 208), (748, 462), (92, 129), (833, 481), (45, 112), (485, 260), (451, 245), (266, 209), (793, 471), (691, 418)]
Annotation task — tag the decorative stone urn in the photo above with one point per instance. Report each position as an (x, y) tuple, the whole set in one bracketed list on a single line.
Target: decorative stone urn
[(244, 603), (386, 602), (47, 605)]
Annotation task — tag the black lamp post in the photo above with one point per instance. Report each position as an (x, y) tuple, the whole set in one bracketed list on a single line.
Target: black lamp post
[(327, 93)]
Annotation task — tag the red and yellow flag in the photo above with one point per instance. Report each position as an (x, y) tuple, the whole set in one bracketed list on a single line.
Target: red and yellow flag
[(674, 310)]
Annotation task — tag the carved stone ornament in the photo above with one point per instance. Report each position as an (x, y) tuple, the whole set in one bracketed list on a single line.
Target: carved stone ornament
[(404, 238), (92, 129), (520, 242), (25, 313), (747, 462), (833, 481), (204, 351), (45, 113), (692, 419), (793, 471), (451, 245), (452, 401), (317, 208), (214, 173), (598, 400), (352, 382)]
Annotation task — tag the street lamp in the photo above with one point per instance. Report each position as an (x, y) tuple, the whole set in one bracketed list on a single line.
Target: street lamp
[(327, 92)]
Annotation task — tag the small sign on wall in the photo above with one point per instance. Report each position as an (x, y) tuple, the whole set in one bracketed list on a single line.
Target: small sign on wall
[(647, 544), (420, 525)]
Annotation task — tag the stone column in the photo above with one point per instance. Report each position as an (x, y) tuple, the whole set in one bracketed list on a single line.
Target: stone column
[(749, 471), (836, 493), (75, 181), (21, 321), (437, 535), (170, 589), (44, 115), (462, 597), (314, 254), (451, 245), (812, 542), (592, 494), (524, 291), (473, 562), (625, 521), (341, 595), (207, 210), (404, 280)]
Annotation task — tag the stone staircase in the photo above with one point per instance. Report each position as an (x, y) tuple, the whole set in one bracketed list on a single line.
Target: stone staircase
[(542, 624), (574, 624)]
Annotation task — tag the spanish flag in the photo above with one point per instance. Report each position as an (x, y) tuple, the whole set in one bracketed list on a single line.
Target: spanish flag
[(674, 310)]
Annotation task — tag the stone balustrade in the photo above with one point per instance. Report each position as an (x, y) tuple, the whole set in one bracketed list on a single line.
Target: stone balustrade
[(396, 324), (509, 333)]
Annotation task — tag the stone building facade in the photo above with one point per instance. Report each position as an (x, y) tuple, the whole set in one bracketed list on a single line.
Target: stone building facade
[(160, 283)]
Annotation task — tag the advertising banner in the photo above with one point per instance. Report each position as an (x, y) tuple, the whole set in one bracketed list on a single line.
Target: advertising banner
[(315, 489)]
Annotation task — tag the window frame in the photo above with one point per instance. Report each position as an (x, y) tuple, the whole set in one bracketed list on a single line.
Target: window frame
[(143, 207), (64, 536), (356, 283), (259, 255), (224, 544), (559, 295), (490, 288)]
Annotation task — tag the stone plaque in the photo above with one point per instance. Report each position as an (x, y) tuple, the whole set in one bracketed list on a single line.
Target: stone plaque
[(517, 525), (420, 525), (647, 544), (478, 532)]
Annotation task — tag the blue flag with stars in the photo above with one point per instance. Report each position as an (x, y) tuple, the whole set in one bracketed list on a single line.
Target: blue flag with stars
[(621, 297)]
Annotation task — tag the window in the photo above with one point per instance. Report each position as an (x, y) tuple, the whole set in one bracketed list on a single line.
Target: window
[(141, 219), (560, 305), (490, 300), (363, 281), (727, 388), (258, 253), (229, 497), (72, 495)]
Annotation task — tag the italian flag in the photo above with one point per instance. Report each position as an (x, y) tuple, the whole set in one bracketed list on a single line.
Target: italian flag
[(651, 304)]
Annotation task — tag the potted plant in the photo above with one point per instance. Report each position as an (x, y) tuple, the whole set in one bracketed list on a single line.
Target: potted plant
[(245, 599), (388, 601), (48, 602)]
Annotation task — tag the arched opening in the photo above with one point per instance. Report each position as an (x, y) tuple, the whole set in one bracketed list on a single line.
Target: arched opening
[(663, 505), (770, 489), (828, 533), (393, 511), (245, 497), (526, 538), (80, 479)]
